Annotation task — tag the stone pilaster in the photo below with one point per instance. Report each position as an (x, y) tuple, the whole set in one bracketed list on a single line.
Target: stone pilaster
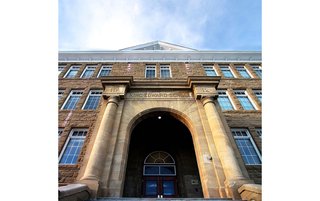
[(231, 168), (97, 158)]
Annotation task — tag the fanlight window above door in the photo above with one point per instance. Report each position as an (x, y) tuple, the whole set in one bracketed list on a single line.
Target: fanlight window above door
[(159, 163)]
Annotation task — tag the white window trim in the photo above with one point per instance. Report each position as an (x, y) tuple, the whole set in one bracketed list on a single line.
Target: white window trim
[(168, 66), (248, 96), (87, 67), (245, 68), (227, 66), (71, 68), (60, 129), (104, 66), (257, 91), (210, 66), (251, 140), (229, 97), (155, 71), (60, 93), (90, 94), (256, 66), (72, 91), (260, 136), (67, 141)]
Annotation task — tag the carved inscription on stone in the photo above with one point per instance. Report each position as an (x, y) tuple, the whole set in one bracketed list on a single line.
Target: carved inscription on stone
[(114, 90), (201, 91), (159, 95)]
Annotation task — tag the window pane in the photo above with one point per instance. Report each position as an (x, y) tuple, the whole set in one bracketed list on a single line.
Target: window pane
[(248, 152), (105, 71), (167, 170), (72, 151), (246, 104), (72, 73), (151, 187), (168, 187), (72, 102), (226, 72), (88, 73), (165, 73), (225, 103), (151, 170), (92, 103), (151, 73)]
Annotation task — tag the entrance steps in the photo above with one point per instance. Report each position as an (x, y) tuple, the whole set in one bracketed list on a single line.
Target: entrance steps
[(161, 199)]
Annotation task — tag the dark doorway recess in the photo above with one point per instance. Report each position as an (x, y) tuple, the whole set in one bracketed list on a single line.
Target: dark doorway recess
[(160, 131)]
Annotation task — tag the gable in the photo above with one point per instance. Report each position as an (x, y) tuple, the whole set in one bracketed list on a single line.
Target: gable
[(158, 45)]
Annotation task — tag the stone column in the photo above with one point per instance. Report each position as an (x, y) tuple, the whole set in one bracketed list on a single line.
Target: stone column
[(231, 168), (97, 158)]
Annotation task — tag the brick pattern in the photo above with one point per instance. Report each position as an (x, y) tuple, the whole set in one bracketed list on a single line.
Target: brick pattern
[(79, 118)]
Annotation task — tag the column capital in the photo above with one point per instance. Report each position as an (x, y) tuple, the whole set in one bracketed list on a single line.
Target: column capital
[(114, 99), (209, 99)]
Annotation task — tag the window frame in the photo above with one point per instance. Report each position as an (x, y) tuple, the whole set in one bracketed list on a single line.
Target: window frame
[(87, 67), (90, 94), (255, 68), (226, 95), (102, 68), (251, 140), (228, 67), (207, 66), (59, 67), (150, 66), (256, 93), (165, 66), (245, 95), (70, 94), (243, 68), (259, 132), (67, 142), (60, 131), (70, 69)]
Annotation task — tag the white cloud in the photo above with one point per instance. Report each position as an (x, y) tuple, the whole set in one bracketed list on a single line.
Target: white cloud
[(113, 25)]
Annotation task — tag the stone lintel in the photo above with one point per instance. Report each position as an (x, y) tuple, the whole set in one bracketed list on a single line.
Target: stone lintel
[(250, 192), (204, 86), (116, 85)]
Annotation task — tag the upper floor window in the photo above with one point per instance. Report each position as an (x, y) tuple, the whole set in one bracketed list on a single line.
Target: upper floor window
[(150, 71), (72, 72), (224, 100), (226, 72), (244, 100), (258, 93), (60, 69), (105, 71), (72, 148), (243, 72), (165, 71), (92, 100), (257, 70), (60, 93), (210, 71), (246, 146), (259, 131), (72, 100), (88, 72)]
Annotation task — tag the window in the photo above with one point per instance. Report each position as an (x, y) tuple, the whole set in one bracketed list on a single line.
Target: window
[(60, 69), (159, 163), (88, 72), (60, 130), (259, 132), (210, 70), (72, 100), (244, 100), (60, 93), (226, 72), (165, 71), (73, 146), (243, 72), (224, 101), (150, 71), (105, 71), (257, 70), (72, 72), (92, 100), (246, 146), (258, 93)]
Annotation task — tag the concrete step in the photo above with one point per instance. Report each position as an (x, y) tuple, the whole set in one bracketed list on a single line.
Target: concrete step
[(161, 199)]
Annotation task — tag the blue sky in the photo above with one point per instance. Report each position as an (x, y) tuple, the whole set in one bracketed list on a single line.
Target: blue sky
[(198, 24)]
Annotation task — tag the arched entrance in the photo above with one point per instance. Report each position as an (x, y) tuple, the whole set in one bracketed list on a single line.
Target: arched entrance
[(161, 159)]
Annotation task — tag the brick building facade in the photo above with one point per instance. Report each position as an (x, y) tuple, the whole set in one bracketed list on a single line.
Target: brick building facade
[(160, 119)]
